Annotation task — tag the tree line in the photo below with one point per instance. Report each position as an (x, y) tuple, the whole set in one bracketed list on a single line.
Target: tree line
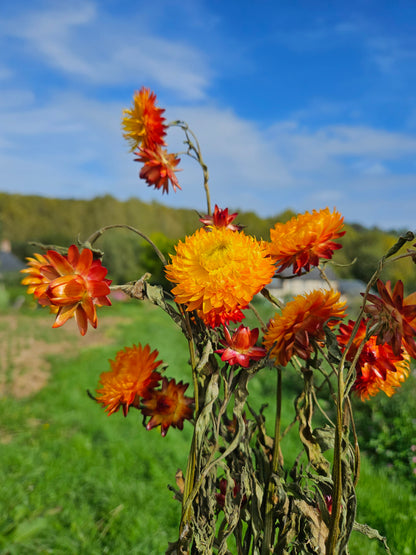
[(29, 218)]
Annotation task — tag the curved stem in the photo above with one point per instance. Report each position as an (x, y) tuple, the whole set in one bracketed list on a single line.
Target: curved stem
[(257, 315), (97, 234)]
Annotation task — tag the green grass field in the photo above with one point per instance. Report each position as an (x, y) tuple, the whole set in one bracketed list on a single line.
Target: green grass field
[(73, 480)]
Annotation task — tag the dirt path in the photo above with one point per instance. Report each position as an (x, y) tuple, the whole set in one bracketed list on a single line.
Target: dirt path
[(26, 342)]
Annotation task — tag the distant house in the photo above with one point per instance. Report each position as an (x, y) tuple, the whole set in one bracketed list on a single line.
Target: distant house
[(290, 285), (9, 263)]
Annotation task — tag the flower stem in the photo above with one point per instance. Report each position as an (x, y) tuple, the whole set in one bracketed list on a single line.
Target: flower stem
[(194, 151), (274, 471), (191, 464), (337, 470)]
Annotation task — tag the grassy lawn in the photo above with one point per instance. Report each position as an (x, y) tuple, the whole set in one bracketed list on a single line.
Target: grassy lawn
[(73, 480)]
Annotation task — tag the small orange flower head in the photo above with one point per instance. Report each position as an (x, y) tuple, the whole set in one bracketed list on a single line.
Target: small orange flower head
[(159, 168), (217, 273), (240, 347), (302, 321), (132, 377), (144, 125), (221, 218), (72, 285), (168, 406), (393, 317), (305, 239), (368, 383), (378, 368)]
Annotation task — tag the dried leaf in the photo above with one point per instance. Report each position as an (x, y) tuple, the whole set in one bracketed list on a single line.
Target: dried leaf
[(180, 482), (324, 437), (371, 533)]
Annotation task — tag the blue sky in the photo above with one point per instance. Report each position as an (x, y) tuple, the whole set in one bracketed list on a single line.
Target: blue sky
[(297, 104)]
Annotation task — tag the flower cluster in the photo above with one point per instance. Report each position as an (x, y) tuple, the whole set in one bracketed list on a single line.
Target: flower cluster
[(72, 285), (133, 381), (215, 273), (386, 339), (145, 130)]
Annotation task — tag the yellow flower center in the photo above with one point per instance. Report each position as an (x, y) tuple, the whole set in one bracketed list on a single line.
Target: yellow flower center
[(216, 258)]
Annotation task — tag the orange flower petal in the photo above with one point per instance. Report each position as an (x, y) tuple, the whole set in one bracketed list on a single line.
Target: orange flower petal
[(60, 263), (84, 262), (82, 318), (64, 314)]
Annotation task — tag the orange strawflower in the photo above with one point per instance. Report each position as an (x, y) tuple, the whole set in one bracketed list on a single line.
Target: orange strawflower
[(131, 378), (218, 272), (393, 318), (240, 347), (72, 285), (304, 239), (301, 323), (168, 406), (378, 368), (159, 168), (143, 125), (221, 218)]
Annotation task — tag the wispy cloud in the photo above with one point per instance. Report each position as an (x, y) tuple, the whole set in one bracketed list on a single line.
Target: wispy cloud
[(79, 41), (382, 47), (389, 54)]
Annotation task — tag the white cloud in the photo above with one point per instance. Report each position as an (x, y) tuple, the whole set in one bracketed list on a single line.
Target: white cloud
[(73, 147), (332, 142), (82, 42), (390, 52)]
